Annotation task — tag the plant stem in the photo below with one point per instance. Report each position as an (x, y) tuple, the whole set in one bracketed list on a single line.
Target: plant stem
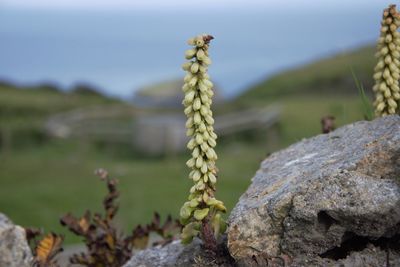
[(210, 243)]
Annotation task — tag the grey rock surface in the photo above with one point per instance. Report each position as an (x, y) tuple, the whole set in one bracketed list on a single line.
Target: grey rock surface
[(177, 255), (171, 255), (14, 249), (331, 200)]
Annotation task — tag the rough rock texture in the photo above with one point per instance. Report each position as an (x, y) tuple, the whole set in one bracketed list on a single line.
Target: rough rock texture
[(14, 249), (177, 255), (173, 254), (331, 200)]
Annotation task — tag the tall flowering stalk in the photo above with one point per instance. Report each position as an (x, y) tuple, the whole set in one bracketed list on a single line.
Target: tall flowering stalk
[(201, 213), (387, 73)]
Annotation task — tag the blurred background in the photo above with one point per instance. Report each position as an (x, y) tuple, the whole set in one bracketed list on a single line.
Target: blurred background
[(95, 83)]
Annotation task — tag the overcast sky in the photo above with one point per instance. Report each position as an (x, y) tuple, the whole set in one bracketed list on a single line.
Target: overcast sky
[(156, 4)]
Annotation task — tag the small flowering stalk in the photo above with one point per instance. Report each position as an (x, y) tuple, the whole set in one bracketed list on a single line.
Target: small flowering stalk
[(387, 72), (201, 213)]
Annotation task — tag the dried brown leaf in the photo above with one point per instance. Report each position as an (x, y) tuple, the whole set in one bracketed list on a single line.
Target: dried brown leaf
[(47, 249)]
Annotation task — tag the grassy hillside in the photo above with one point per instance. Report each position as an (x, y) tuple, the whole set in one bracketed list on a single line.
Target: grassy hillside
[(33, 104), (23, 110), (328, 76)]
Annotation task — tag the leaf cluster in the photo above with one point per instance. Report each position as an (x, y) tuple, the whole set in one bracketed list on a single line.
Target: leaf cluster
[(106, 246)]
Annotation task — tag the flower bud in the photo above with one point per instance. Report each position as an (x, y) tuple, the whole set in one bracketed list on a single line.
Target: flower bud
[(207, 61), (191, 144), (193, 81), (199, 139), (185, 88), (212, 178), (194, 68), (204, 110), (384, 50), (212, 142), (206, 136), (200, 54), (190, 53), (202, 127), (190, 163), (388, 59), (189, 132), (197, 118), (388, 38), (203, 69), (188, 77), (210, 153), (200, 185), (202, 86), (204, 147), (199, 42), (190, 96), (196, 103), (191, 41), (196, 176), (186, 66), (188, 110), (204, 168), (189, 122), (209, 119), (199, 162), (196, 152), (392, 103)]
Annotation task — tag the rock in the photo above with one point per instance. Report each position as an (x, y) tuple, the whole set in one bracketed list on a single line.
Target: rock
[(167, 256), (14, 249), (331, 200), (177, 255)]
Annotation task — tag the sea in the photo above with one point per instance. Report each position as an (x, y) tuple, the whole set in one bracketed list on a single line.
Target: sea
[(122, 51)]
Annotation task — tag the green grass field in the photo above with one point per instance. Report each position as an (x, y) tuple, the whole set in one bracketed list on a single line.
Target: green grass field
[(41, 181)]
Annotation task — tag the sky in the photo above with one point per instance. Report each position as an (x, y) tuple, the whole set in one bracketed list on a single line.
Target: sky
[(95, 41), (158, 4)]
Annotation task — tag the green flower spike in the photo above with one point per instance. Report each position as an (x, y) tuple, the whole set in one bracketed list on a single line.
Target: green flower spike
[(200, 214), (387, 72)]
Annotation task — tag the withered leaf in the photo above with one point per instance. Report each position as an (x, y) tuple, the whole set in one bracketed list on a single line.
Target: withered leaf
[(140, 237), (48, 248), (31, 233)]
